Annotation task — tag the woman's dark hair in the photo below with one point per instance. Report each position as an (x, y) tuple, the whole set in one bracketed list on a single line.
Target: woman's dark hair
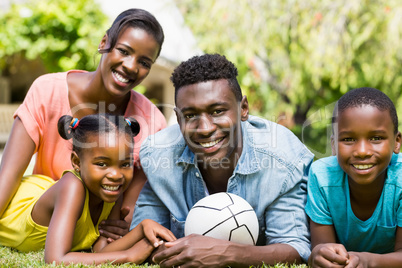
[(136, 18), (99, 124)]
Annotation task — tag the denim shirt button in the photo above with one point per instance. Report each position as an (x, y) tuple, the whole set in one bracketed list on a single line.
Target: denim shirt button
[(197, 174)]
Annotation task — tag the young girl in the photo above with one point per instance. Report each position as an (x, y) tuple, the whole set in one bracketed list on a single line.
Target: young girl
[(63, 217), (128, 50)]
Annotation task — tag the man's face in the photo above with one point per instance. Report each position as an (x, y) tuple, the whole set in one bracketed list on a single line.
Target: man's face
[(209, 117)]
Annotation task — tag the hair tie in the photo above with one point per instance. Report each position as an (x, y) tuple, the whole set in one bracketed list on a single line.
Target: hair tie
[(74, 123), (128, 121)]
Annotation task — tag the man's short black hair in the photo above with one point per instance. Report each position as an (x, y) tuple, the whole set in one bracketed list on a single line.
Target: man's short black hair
[(205, 68), (366, 96)]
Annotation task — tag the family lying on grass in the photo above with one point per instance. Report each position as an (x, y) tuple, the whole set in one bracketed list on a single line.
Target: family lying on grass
[(350, 202)]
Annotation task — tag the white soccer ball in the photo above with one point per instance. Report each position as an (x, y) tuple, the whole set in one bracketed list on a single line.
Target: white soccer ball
[(224, 216)]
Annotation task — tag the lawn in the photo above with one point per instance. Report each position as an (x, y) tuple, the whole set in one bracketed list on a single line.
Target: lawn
[(12, 258)]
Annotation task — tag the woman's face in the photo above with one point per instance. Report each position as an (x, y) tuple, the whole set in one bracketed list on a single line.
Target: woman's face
[(129, 62)]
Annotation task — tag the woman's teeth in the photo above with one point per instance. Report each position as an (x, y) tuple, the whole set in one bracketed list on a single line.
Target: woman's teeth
[(121, 78)]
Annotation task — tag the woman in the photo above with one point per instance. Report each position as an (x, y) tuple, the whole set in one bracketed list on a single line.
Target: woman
[(129, 48)]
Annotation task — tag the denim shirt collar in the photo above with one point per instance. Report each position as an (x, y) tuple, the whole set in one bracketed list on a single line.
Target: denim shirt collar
[(248, 162)]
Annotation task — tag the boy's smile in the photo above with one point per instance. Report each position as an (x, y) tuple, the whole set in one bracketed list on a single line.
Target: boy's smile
[(364, 142)]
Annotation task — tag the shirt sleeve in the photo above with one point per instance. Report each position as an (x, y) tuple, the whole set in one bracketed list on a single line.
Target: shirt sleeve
[(149, 205), (286, 221), (31, 112), (317, 206)]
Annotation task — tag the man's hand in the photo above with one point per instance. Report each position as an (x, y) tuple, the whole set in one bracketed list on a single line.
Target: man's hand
[(115, 229), (193, 251)]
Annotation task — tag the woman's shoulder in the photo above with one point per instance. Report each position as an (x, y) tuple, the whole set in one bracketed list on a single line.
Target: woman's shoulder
[(50, 79), (49, 85), (141, 108), (139, 100)]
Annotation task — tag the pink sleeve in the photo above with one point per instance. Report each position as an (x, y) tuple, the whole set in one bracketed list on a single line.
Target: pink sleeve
[(31, 112), (149, 117)]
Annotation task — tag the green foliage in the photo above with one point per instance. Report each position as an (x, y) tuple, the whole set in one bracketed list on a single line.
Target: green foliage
[(64, 34), (297, 57)]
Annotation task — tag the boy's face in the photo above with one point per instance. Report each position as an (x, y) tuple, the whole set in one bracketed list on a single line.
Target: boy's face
[(209, 116), (364, 142)]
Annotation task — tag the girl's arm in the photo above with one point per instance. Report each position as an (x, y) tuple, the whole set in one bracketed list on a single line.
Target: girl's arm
[(69, 198), (16, 157), (366, 259), (149, 229), (325, 252)]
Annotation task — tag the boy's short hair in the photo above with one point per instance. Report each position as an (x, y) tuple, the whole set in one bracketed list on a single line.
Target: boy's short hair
[(366, 96), (205, 68)]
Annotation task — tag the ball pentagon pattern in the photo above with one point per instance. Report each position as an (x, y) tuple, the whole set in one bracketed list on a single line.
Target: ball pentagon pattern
[(224, 216)]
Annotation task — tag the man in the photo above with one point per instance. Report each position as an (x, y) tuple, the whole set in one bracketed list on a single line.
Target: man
[(218, 147)]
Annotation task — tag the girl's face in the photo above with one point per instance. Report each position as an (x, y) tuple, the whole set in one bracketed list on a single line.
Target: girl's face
[(106, 166), (129, 62)]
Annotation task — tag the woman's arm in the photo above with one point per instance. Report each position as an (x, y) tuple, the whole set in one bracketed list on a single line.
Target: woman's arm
[(113, 216), (112, 229), (16, 157), (133, 191)]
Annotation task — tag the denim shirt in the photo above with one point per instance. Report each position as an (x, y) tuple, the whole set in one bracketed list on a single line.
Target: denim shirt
[(271, 175)]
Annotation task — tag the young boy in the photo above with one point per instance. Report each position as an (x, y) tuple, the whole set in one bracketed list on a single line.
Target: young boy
[(354, 198)]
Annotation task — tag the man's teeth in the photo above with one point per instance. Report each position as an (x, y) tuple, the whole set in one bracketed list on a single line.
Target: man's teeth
[(209, 144), (362, 166), (110, 188), (120, 78)]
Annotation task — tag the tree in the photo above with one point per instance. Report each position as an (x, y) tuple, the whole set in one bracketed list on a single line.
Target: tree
[(61, 34), (297, 57)]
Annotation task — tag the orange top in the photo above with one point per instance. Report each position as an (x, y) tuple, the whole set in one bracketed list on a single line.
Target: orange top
[(47, 100)]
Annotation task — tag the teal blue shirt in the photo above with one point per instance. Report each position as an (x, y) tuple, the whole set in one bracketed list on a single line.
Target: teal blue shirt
[(328, 203)]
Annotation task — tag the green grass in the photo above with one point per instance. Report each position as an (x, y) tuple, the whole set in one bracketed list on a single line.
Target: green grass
[(13, 258)]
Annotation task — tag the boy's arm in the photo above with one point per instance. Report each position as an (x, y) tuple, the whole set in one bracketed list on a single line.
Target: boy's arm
[(325, 251), (389, 260)]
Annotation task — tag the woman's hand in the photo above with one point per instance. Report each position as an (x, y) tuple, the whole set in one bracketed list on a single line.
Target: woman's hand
[(115, 229)]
